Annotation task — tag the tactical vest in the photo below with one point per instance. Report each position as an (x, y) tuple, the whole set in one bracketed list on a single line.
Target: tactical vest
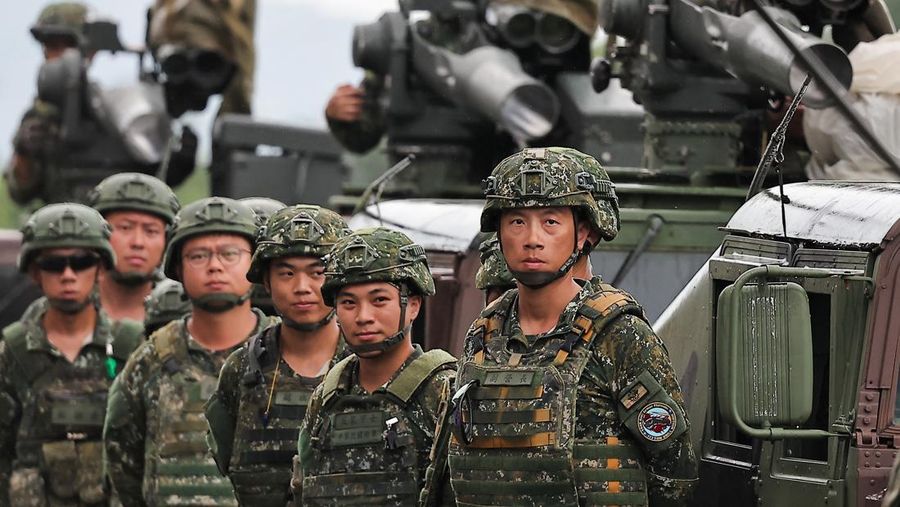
[(265, 442), (59, 437), (364, 449), (520, 418), (178, 468)]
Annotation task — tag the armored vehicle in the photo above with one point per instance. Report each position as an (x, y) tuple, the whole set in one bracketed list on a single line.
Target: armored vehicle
[(787, 344)]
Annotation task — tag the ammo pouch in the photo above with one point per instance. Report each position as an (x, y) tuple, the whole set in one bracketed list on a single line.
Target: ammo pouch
[(74, 469), (26, 488)]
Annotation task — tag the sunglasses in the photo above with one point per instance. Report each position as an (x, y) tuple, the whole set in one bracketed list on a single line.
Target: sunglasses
[(59, 263)]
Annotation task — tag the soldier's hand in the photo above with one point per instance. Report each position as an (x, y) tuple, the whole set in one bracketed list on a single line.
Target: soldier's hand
[(346, 103), (35, 136)]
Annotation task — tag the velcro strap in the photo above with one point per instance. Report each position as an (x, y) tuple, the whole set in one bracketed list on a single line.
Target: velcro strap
[(625, 498), (507, 393), (507, 463), (274, 476), (292, 412), (538, 487), (292, 398), (196, 469), (610, 474), (334, 486), (537, 415), (170, 449), (268, 498), (221, 489), (271, 434), (513, 442), (78, 413), (268, 456), (592, 452)]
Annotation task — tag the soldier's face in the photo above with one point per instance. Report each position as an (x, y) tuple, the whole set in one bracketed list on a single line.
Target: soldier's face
[(139, 240), (76, 278), (540, 239), (370, 312), (295, 284), (214, 263)]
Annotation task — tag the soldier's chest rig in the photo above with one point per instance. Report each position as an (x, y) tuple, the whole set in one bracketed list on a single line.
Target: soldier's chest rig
[(63, 406), (364, 447), (514, 437), (268, 424), (178, 468)]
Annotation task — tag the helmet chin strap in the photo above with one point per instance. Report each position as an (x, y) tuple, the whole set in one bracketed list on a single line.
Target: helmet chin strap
[(540, 279), (131, 278), (69, 306), (219, 302), (308, 326), (392, 340)]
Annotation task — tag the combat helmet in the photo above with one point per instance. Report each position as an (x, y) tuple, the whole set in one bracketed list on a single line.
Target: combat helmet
[(493, 272), (549, 177), (300, 230), (166, 302), (378, 254), (135, 192), (61, 19), (264, 207), (212, 215), (65, 225)]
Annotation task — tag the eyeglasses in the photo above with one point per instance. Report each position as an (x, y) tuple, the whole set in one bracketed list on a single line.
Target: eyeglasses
[(228, 256), (59, 263)]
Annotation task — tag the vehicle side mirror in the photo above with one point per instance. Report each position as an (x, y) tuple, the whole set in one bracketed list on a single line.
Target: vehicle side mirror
[(770, 343)]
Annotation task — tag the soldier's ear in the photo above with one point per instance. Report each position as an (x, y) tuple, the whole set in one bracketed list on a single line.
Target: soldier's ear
[(35, 274), (413, 305)]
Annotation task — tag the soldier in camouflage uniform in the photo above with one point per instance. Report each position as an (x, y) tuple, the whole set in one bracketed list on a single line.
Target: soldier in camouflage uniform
[(370, 424), (154, 435), (493, 277), (166, 302), (565, 395), (140, 209), (56, 366), (264, 387), (263, 207)]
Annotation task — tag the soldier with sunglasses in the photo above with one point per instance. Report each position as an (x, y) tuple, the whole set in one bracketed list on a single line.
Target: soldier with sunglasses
[(57, 364), (155, 430)]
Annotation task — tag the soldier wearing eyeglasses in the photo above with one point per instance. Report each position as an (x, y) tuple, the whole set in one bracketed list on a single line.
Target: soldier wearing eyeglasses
[(155, 429), (57, 363)]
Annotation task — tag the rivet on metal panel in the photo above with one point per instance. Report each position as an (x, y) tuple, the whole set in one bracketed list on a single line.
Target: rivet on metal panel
[(868, 454), (870, 396), (877, 454)]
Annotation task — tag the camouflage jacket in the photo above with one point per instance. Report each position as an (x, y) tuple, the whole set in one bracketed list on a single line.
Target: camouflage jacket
[(37, 142), (254, 444), (133, 427), (326, 448), (51, 411), (626, 373)]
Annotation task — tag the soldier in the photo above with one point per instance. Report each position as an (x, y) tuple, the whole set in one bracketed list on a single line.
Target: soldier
[(140, 209), (264, 387), (75, 133), (166, 302), (154, 435), (493, 277), (565, 394), (263, 207), (57, 365), (370, 424)]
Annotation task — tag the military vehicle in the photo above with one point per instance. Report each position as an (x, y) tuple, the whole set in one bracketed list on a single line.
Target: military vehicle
[(787, 344)]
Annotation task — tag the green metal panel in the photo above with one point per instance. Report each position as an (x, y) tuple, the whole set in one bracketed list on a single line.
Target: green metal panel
[(773, 343)]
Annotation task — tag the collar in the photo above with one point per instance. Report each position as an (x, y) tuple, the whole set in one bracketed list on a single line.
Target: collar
[(36, 336), (564, 324), (354, 370)]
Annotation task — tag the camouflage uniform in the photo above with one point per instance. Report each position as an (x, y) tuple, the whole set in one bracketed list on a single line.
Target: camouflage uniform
[(154, 433), (257, 408), (51, 410), (589, 413), (373, 448), (493, 272)]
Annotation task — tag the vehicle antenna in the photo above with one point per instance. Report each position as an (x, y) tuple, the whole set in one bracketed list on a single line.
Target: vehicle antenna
[(377, 186)]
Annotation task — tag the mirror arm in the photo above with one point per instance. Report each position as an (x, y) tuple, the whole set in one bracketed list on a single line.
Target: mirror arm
[(766, 272)]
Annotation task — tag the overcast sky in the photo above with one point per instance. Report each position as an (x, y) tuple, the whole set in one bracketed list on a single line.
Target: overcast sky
[(302, 48)]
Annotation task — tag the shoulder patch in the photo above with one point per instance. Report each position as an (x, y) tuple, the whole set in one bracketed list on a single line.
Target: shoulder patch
[(657, 421)]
